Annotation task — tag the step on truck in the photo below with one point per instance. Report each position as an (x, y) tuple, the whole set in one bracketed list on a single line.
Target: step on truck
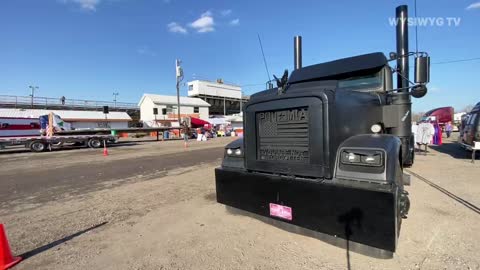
[(324, 151)]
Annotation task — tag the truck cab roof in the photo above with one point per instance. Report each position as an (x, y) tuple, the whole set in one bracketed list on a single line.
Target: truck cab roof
[(340, 69)]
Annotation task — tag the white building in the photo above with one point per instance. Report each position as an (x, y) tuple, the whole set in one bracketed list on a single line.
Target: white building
[(215, 89), (167, 109), (224, 98), (458, 116), (77, 119)]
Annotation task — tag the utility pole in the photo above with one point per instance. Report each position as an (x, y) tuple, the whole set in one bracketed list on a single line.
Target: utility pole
[(179, 75), (115, 94), (241, 100), (33, 88)]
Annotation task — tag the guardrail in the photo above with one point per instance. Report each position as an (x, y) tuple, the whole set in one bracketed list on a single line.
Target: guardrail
[(45, 102)]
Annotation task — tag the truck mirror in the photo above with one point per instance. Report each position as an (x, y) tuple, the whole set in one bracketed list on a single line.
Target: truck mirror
[(419, 91), (422, 69)]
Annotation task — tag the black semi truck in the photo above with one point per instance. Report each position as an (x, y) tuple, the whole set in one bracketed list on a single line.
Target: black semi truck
[(325, 150)]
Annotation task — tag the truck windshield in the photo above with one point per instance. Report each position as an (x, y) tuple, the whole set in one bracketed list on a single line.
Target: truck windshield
[(370, 82)]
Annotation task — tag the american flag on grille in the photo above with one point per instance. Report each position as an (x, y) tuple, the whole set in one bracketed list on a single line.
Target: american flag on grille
[(282, 129), (268, 129)]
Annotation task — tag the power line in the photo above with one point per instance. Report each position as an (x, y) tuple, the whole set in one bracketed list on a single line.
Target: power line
[(253, 84), (436, 63), (456, 61)]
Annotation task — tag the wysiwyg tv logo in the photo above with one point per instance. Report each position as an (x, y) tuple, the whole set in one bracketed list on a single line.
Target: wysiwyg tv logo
[(428, 21)]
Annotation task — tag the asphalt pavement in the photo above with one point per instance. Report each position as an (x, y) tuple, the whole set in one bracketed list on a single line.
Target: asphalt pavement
[(47, 181)]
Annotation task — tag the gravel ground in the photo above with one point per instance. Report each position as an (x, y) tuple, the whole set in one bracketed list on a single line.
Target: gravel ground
[(173, 222)]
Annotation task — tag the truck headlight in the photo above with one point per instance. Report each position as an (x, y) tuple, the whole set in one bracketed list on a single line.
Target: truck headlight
[(376, 128), (234, 152), (362, 158)]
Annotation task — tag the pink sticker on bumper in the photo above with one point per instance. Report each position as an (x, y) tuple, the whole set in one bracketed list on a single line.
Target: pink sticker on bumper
[(280, 211)]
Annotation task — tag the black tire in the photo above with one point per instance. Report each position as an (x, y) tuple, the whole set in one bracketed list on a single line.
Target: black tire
[(37, 146), (95, 143), (409, 162)]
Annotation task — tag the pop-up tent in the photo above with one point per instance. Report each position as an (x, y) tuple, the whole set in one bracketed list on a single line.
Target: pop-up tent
[(218, 121), (197, 123)]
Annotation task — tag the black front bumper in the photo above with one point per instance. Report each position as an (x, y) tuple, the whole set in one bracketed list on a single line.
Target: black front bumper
[(364, 216)]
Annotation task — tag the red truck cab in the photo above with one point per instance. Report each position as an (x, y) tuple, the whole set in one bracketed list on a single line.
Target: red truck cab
[(442, 115)]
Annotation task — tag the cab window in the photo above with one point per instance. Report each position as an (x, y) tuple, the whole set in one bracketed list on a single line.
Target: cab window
[(471, 121), (478, 121), (371, 82)]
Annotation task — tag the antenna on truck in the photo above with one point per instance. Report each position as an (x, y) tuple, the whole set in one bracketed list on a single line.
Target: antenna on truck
[(263, 54)]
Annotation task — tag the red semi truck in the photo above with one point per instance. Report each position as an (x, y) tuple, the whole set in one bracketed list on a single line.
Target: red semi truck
[(442, 115)]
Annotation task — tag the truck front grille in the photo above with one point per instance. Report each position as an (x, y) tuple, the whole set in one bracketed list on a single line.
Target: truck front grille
[(283, 135)]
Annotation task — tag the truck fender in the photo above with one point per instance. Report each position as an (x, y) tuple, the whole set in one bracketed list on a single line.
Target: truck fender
[(238, 143), (234, 161), (389, 144)]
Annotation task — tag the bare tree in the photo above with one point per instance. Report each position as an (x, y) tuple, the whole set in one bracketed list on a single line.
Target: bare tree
[(467, 108), (417, 116)]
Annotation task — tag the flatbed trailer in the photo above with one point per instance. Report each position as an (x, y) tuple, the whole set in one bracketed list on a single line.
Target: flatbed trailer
[(43, 143), (116, 130), (93, 138)]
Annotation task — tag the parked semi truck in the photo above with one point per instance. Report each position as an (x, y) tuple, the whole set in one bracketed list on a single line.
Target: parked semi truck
[(470, 130), (325, 150), (442, 115)]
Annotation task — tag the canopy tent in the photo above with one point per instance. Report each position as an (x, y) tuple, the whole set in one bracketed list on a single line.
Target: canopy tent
[(197, 123), (218, 121), (234, 118)]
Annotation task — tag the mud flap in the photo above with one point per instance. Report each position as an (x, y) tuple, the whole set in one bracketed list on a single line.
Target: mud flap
[(367, 217)]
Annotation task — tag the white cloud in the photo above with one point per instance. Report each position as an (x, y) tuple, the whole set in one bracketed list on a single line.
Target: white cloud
[(204, 24), (235, 22), (434, 89), (145, 50), (176, 28), (226, 12), (207, 13), (474, 6), (88, 5)]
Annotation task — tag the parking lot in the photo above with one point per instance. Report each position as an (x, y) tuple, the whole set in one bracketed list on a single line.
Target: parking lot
[(151, 205)]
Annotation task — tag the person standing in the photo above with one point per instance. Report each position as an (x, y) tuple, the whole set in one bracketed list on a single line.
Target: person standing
[(414, 132), (186, 132), (448, 129)]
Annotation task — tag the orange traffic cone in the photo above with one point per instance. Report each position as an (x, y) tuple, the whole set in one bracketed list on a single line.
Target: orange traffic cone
[(6, 258), (105, 151)]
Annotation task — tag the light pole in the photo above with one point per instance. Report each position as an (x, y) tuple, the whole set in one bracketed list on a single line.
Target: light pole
[(33, 88), (115, 94), (179, 75), (241, 100)]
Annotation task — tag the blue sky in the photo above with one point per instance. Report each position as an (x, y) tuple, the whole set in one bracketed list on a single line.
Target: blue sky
[(88, 49)]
